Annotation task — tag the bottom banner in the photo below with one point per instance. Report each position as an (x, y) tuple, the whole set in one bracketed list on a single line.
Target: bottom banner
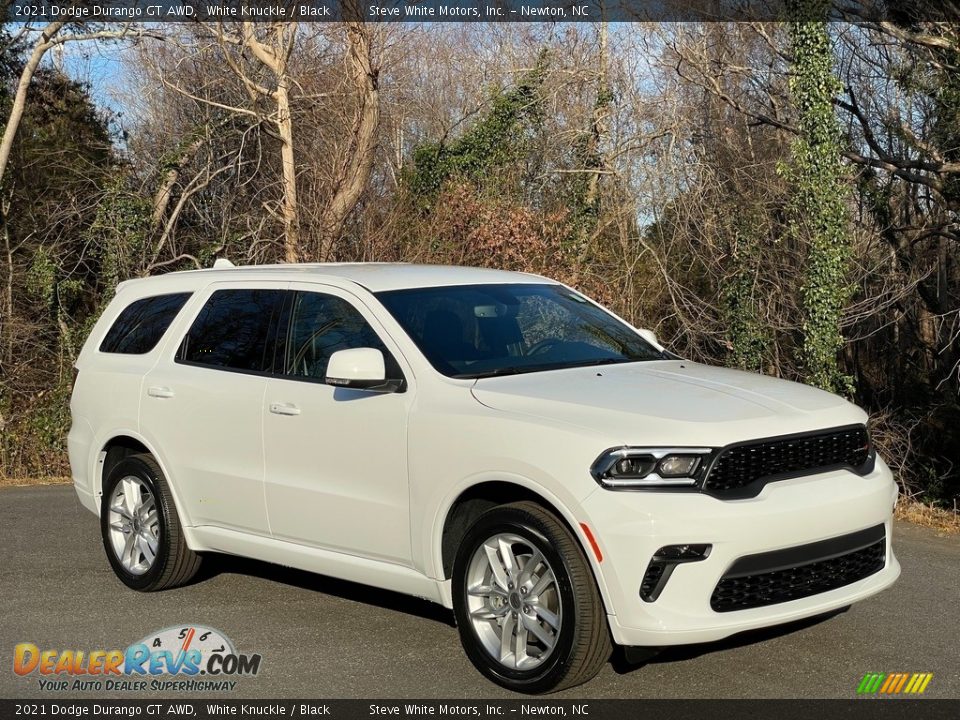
[(892, 709)]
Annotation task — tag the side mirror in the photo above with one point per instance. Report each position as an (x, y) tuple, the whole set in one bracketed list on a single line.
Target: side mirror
[(360, 368), (650, 336)]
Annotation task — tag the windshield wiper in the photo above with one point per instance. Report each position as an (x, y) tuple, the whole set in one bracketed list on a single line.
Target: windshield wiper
[(603, 361), (512, 370), (520, 369)]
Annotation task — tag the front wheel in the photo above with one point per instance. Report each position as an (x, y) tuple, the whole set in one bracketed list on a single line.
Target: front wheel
[(527, 607)]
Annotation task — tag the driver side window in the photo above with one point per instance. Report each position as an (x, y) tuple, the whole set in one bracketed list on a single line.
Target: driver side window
[(319, 326)]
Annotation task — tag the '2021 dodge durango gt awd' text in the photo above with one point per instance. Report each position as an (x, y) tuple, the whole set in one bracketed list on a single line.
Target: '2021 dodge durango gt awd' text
[(493, 441)]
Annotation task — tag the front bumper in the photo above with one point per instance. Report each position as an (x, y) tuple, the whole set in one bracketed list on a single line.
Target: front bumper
[(631, 526)]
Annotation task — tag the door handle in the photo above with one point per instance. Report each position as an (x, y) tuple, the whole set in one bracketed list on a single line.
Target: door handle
[(284, 409), (159, 392)]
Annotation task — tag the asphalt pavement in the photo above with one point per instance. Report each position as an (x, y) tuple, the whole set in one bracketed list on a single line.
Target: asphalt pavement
[(324, 638)]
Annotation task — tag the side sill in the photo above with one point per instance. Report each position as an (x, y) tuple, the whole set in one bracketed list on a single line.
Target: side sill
[(386, 576)]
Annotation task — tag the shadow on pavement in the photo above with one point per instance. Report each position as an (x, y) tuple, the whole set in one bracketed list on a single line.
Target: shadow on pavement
[(680, 653), (214, 565)]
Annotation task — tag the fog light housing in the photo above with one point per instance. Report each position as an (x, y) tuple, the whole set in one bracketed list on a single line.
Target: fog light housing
[(663, 563), (683, 553)]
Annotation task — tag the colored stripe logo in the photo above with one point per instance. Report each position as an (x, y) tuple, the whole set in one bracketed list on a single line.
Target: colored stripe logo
[(894, 683)]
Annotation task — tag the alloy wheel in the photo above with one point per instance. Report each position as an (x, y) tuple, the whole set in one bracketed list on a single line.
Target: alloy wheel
[(513, 601), (134, 525)]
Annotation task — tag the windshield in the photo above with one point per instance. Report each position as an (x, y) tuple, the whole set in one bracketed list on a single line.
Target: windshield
[(474, 331)]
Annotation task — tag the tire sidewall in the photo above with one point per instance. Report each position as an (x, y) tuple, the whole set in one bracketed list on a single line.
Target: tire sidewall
[(515, 521), (136, 467)]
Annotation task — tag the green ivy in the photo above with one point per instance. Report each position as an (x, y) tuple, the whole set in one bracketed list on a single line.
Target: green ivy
[(749, 337), (818, 212), (42, 277), (584, 209), (119, 233), (497, 140)]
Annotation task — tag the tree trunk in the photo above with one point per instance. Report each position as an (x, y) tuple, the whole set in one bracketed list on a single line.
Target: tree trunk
[(161, 198), (354, 172), (275, 57), (20, 98), (6, 317), (291, 224), (593, 157), (598, 129), (819, 218)]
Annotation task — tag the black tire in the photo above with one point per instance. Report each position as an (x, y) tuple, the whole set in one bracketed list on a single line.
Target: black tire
[(582, 644), (175, 563)]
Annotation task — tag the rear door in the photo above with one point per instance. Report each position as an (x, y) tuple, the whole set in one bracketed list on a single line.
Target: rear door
[(336, 458), (201, 405)]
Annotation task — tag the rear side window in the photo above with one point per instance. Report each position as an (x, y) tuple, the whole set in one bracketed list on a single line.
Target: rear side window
[(138, 329), (234, 330)]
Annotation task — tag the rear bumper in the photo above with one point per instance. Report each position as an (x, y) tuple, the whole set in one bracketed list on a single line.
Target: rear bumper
[(631, 526), (79, 441)]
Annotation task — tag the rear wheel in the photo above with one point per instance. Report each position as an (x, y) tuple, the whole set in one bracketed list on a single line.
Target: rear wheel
[(527, 607), (141, 532)]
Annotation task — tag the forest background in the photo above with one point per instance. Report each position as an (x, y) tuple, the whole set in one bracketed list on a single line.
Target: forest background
[(778, 197)]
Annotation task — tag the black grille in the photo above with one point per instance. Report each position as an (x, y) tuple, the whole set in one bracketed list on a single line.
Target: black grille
[(741, 465), (737, 591)]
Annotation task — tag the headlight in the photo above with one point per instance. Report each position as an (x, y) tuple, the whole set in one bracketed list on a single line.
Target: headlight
[(678, 465), (649, 467)]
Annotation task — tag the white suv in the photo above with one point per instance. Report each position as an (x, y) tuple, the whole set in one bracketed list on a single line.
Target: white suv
[(491, 441)]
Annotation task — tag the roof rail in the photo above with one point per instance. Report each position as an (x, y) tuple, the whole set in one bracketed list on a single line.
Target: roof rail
[(222, 263)]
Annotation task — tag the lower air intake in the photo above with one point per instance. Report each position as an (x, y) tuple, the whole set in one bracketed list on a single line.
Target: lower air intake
[(770, 578)]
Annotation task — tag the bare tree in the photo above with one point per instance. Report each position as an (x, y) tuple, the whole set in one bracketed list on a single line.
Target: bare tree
[(272, 51), (259, 57), (276, 74), (50, 37), (353, 167)]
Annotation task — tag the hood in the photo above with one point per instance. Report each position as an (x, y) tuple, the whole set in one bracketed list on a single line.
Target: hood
[(672, 402)]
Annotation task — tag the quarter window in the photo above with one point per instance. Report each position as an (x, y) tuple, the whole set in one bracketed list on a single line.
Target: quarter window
[(234, 330), (138, 329)]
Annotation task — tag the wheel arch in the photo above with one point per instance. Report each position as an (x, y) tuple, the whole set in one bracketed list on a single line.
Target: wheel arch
[(112, 452), (123, 444), (470, 502)]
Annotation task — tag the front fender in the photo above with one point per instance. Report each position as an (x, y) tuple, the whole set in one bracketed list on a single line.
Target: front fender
[(567, 507)]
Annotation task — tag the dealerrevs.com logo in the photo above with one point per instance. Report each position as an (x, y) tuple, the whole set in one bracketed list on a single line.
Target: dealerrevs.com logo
[(182, 658)]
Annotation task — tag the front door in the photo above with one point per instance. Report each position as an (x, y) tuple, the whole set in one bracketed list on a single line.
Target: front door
[(336, 458)]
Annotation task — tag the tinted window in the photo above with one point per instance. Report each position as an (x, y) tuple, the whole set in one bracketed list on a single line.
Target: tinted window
[(319, 326), (477, 331), (234, 330), (140, 326)]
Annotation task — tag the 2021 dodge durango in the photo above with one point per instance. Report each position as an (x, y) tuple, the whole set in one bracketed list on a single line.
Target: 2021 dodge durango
[(492, 441)]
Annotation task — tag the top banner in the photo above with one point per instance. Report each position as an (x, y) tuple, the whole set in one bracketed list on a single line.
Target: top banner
[(419, 11)]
